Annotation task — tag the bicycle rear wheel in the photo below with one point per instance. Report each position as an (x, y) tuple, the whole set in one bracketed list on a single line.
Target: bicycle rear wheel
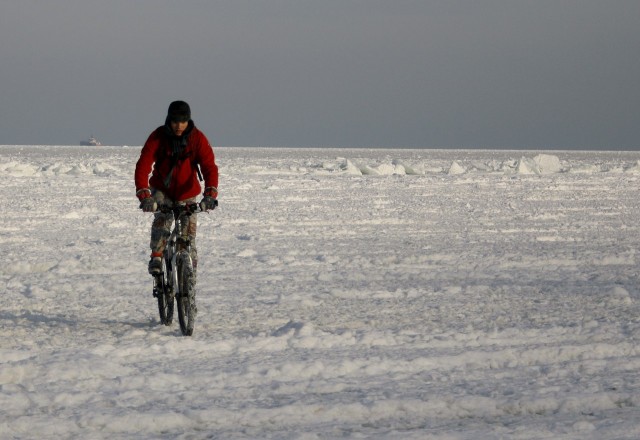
[(186, 297), (164, 293)]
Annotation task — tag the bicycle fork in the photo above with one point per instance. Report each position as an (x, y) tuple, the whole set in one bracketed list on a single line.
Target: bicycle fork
[(182, 251)]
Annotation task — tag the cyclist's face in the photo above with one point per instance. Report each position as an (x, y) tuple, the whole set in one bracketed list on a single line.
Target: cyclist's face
[(179, 127)]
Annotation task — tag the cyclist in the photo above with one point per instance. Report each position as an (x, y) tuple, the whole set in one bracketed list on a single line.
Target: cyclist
[(180, 155)]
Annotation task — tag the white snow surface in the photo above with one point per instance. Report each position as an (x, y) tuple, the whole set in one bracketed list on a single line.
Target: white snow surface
[(372, 293)]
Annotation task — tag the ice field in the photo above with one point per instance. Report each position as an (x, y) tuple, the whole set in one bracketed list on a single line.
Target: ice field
[(342, 293)]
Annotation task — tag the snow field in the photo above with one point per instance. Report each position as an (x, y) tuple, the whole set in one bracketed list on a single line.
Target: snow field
[(341, 294)]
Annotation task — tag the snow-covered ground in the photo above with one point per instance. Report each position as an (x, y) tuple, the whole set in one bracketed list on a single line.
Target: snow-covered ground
[(389, 294)]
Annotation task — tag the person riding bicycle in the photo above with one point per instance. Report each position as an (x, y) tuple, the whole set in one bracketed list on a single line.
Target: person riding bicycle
[(175, 156)]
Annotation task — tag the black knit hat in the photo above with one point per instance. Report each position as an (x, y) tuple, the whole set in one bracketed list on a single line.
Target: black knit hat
[(179, 111)]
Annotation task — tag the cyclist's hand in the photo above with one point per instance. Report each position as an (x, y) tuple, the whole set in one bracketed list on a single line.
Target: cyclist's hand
[(147, 203), (208, 203)]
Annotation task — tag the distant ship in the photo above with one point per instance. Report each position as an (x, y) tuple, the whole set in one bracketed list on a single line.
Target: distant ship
[(91, 142)]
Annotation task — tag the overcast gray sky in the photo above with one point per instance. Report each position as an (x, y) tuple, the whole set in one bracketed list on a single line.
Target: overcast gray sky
[(364, 73)]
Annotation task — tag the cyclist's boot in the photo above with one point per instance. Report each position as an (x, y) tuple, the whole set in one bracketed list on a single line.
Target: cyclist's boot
[(155, 265)]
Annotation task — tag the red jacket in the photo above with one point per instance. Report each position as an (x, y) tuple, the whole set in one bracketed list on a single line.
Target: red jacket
[(176, 176)]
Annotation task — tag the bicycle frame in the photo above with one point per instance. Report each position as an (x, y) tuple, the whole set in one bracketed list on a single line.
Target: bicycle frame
[(180, 213), (174, 255)]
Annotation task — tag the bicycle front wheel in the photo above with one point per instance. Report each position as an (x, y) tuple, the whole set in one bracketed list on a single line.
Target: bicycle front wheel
[(186, 297)]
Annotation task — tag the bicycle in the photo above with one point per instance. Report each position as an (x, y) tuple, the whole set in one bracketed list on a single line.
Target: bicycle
[(175, 279)]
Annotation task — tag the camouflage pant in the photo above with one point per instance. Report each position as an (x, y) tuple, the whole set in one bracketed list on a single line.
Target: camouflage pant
[(162, 223)]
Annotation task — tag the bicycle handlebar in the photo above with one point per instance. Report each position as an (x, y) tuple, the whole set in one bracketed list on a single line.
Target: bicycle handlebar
[(178, 209), (190, 208)]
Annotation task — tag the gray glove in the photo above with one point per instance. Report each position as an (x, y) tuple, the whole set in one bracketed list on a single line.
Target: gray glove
[(148, 205), (208, 203)]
